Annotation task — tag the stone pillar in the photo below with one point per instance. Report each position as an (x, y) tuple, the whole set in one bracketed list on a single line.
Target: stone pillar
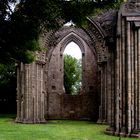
[(103, 110), (123, 129), (127, 71), (112, 91), (118, 80), (136, 80), (18, 95), (138, 104), (30, 91), (129, 79), (109, 87), (26, 95), (39, 99), (20, 91)]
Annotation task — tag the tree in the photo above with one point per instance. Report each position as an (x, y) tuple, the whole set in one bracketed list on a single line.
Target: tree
[(20, 29), (7, 88), (19, 36), (79, 10), (72, 74)]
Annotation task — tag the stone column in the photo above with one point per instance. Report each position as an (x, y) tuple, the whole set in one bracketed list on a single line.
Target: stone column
[(106, 93), (20, 91), (132, 75), (40, 98), (18, 95), (112, 90), (109, 87), (30, 93), (118, 80), (123, 127), (138, 79), (103, 106), (27, 95), (129, 79), (127, 91)]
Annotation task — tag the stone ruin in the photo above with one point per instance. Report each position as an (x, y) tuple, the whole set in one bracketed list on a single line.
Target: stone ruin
[(110, 93)]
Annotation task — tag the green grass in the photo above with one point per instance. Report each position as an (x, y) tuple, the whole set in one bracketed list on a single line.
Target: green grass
[(53, 130)]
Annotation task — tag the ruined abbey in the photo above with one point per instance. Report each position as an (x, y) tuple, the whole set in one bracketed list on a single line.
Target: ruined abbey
[(110, 92)]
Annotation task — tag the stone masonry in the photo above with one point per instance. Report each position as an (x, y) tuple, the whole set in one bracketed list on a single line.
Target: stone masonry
[(110, 92)]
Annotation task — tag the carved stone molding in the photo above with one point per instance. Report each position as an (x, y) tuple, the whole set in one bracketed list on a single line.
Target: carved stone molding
[(72, 34), (99, 42), (131, 8)]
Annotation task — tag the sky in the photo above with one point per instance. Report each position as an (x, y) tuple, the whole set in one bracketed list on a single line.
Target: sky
[(73, 50)]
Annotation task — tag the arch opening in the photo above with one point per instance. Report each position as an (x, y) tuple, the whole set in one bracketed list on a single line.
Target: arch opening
[(72, 61)]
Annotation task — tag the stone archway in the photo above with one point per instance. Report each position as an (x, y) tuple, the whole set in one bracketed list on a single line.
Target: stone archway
[(116, 83), (40, 89), (35, 81), (80, 106)]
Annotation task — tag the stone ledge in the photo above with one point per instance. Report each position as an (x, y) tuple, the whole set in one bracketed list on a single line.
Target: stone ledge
[(121, 134), (31, 121)]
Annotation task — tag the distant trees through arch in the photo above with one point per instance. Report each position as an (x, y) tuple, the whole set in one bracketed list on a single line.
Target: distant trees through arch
[(72, 69)]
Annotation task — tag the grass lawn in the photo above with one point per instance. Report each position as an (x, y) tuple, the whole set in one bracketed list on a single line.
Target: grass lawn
[(54, 130)]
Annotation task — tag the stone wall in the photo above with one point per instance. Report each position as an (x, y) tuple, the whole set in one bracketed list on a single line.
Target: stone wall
[(60, 105), (30, 92), (127, 93), (40, 89), (110, 74)]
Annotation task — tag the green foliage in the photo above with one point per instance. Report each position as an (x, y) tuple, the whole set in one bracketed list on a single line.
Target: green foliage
[(20, 29), (54, 130), (72, 74), (7, 74), (78, 10), (7, 88), (8, 80)]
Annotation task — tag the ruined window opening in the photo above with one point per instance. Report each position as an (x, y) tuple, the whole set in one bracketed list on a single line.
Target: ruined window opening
[(72, 57)]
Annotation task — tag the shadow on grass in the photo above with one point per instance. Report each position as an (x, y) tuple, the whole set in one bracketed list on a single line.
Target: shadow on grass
[(7, 116)]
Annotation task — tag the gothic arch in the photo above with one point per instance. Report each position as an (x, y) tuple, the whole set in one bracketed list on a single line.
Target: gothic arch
[(72, 37), (66, 35), (46, 84), (38, 99), (55, 73)]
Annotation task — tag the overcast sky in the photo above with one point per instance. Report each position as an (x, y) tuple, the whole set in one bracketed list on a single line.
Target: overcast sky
[(73, 50)]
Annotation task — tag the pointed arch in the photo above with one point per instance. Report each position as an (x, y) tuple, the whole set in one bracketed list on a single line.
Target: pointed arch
[(72, 37)]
